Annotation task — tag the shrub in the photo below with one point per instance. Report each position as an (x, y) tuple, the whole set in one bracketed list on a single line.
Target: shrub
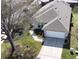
[(38, 31)]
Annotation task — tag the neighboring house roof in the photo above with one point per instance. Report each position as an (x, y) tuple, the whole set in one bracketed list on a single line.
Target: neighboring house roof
[(3, 36), (70, 1), (57, 16)]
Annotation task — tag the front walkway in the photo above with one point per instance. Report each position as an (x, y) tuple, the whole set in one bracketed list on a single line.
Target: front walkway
[(52, 49), (35, 37)]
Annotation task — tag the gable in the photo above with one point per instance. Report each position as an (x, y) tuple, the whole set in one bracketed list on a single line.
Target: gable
[(56, 26)]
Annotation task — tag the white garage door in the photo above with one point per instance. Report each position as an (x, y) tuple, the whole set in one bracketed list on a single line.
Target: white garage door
[(55, 34)]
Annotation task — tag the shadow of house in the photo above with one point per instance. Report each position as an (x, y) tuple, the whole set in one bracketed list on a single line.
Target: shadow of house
[(73, 5)]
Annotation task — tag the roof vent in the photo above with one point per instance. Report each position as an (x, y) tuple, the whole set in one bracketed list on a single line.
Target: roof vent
[(55, 8), (59, 18)]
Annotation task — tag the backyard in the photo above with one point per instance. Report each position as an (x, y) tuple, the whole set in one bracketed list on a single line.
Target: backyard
[(73, 37)]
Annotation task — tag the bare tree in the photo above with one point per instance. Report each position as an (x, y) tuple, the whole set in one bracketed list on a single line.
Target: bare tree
[(9, 21)]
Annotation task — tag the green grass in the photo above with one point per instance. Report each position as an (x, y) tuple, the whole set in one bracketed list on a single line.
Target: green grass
[(73, 39), (24, 40)]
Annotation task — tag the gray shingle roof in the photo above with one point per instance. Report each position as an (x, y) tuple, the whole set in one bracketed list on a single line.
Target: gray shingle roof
[(44, 8), (64, 12), (52, 10), (47, 16)]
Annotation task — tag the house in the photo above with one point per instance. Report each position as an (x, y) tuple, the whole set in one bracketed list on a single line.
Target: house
[(55, 18), (71, 2)]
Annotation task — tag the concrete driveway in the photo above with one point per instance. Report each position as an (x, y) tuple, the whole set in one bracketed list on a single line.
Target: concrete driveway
[(52, 49)]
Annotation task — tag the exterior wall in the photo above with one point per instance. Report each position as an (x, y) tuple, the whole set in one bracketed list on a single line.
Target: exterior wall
[(55, 34)]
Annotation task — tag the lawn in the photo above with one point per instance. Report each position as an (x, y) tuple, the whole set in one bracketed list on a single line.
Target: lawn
[(74, 36), (22, 43)]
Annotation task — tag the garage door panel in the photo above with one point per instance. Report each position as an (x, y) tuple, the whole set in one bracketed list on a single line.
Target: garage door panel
[(55, 34)]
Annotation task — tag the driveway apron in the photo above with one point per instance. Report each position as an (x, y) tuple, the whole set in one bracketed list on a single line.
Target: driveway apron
[(52, 49)]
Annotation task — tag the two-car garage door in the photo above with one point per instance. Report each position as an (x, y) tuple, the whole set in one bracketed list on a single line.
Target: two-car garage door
[(55, 34)]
